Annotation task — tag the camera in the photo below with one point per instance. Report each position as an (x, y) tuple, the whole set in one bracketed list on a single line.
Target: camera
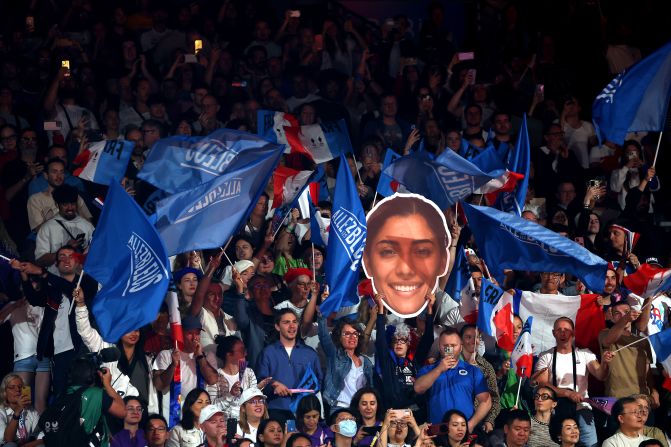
[(84, 370)]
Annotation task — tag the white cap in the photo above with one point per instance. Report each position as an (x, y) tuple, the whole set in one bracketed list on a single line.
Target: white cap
[(249, 393), (207, 412)]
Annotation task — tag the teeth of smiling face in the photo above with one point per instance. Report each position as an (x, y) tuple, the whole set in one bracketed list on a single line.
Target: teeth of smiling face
[(403, 288)]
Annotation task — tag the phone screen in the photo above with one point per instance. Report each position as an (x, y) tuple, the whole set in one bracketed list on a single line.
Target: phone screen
[(291, 426)]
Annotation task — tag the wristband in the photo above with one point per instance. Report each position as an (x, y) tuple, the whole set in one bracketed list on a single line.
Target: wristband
[(15, 417), (199, 357)]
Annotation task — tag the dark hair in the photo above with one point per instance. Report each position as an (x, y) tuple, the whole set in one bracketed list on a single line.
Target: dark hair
[(651, 443), (65, 194), (449, 331), (143, 404), (188, 418), (280, 313), (225, 345), (556, 423), (618, 408), (336, 333), (446, 418), (156, 124), (305, 405), (262, 426), (82, 372), (242, 237), (464, 328), (54, 160), (138, 355), (153, 417), (517, 415), (356, 399), (551, 392), (402, 206), (337, 411), (295, 436)]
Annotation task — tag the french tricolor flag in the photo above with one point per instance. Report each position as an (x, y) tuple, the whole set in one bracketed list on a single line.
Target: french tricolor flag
[(104, 161), (495, 314), (287, 184), (648, 280), (661, 345), (522, 357)]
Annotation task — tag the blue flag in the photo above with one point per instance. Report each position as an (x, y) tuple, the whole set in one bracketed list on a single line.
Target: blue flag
[(384, 183), (316, 223), (445, 181), (207, 215), (180, 163), (508, 241), (347, 238), (636, 100), (128, 258), (519, 162), (661, 344), (460, 273), (107, 162)]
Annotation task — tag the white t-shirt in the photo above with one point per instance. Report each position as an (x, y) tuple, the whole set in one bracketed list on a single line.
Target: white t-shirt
[(577, 141), (62, 338), (354, 381), (620, 440), (251, 435), (187, 365), (565, 369), (25, 322)]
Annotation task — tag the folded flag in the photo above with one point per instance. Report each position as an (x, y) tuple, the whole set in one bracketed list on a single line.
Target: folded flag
[(445, 181), (603, 404), (209, 214), (513, 196), (128, 258), (346, 241), (319, 227), (648, 280), (387, 186), (522, 357), (636, 100), (321, 142), (661, 346), (495, 314), (179, 163), (271, 125), (287, 184), (104, 161), (509, 241)]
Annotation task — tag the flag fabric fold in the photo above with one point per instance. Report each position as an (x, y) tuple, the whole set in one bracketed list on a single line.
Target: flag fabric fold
[(104, 161), (513, 197), (346, 241), (445, 181), (207, 215), (508, 241), (321, 142), (387, 186), (129, 259), (522, 357), (495, 314), (636, 100), (179, 163)]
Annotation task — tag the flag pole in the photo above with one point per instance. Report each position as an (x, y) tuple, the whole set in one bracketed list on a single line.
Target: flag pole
[(5, 258), (227, 258), (374, 199), (632, 343), (79, 281), (519, 387), (357, 168), (659, 142), (281, 223), (314, 270)]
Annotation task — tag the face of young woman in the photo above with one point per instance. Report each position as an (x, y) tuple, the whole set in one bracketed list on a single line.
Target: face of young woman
[(368, 406), (310, 420), (272, 435), (200, 403), (457, 428)]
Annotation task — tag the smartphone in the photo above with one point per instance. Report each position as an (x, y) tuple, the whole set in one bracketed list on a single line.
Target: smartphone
[(370, 431), (319, 42), (472, 438), (294, 14), (197, 46), (25, 391), (472, 72), (231, 429), (632, 156), (438, 429), (540, 89), (66, 64), (449, 350), (469, 56), (291, 426)]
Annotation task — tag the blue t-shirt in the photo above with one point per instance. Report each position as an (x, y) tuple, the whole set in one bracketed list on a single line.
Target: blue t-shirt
[(456, 388)]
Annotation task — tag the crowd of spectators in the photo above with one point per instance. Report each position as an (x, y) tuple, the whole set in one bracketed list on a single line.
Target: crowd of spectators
[(73, 72)]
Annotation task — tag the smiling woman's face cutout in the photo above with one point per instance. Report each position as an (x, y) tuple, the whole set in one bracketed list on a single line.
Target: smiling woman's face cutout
[(406, 251)]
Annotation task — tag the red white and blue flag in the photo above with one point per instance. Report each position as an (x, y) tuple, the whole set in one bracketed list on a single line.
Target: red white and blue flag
[(495, 314), (104, 161), (522, 357)]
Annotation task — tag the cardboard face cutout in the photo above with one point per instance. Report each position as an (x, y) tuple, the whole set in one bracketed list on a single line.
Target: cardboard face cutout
[(407, 251)]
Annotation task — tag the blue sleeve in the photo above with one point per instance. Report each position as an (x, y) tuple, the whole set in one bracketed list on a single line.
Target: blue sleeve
[(325, 338), (240, 312), (480, 383)]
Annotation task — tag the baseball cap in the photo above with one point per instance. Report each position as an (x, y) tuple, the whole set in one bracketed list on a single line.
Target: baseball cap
[(249, 393), (207, 412), (191, 322)]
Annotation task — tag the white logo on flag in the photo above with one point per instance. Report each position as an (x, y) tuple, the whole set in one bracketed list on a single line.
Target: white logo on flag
[(609, 91), (227, 190), (527, 239), (455, 185), (351, 233), (210, 155), (146, 267)]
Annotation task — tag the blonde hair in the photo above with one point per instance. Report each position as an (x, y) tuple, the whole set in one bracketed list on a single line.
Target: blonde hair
[(3, 387), (242, 420)]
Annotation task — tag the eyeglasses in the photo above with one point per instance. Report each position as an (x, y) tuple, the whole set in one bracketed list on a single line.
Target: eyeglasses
[(257, 401), (543, 397), (398, 424), (639, 412), (351, 334), (8, 137), (401, 341), (135, 409), (157, 429)]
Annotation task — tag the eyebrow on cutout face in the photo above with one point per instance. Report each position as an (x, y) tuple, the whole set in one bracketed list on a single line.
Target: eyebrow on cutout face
[(414, 242)]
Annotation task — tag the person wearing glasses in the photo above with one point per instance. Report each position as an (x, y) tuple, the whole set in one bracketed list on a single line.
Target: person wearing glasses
[(395, 430), (565, 369), (131, 435), (631, 420), (545, 401), (156, 431), (645, 402), (253, 410)]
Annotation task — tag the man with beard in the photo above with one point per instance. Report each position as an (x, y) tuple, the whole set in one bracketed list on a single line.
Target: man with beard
[(66, 228), (41, 206)]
